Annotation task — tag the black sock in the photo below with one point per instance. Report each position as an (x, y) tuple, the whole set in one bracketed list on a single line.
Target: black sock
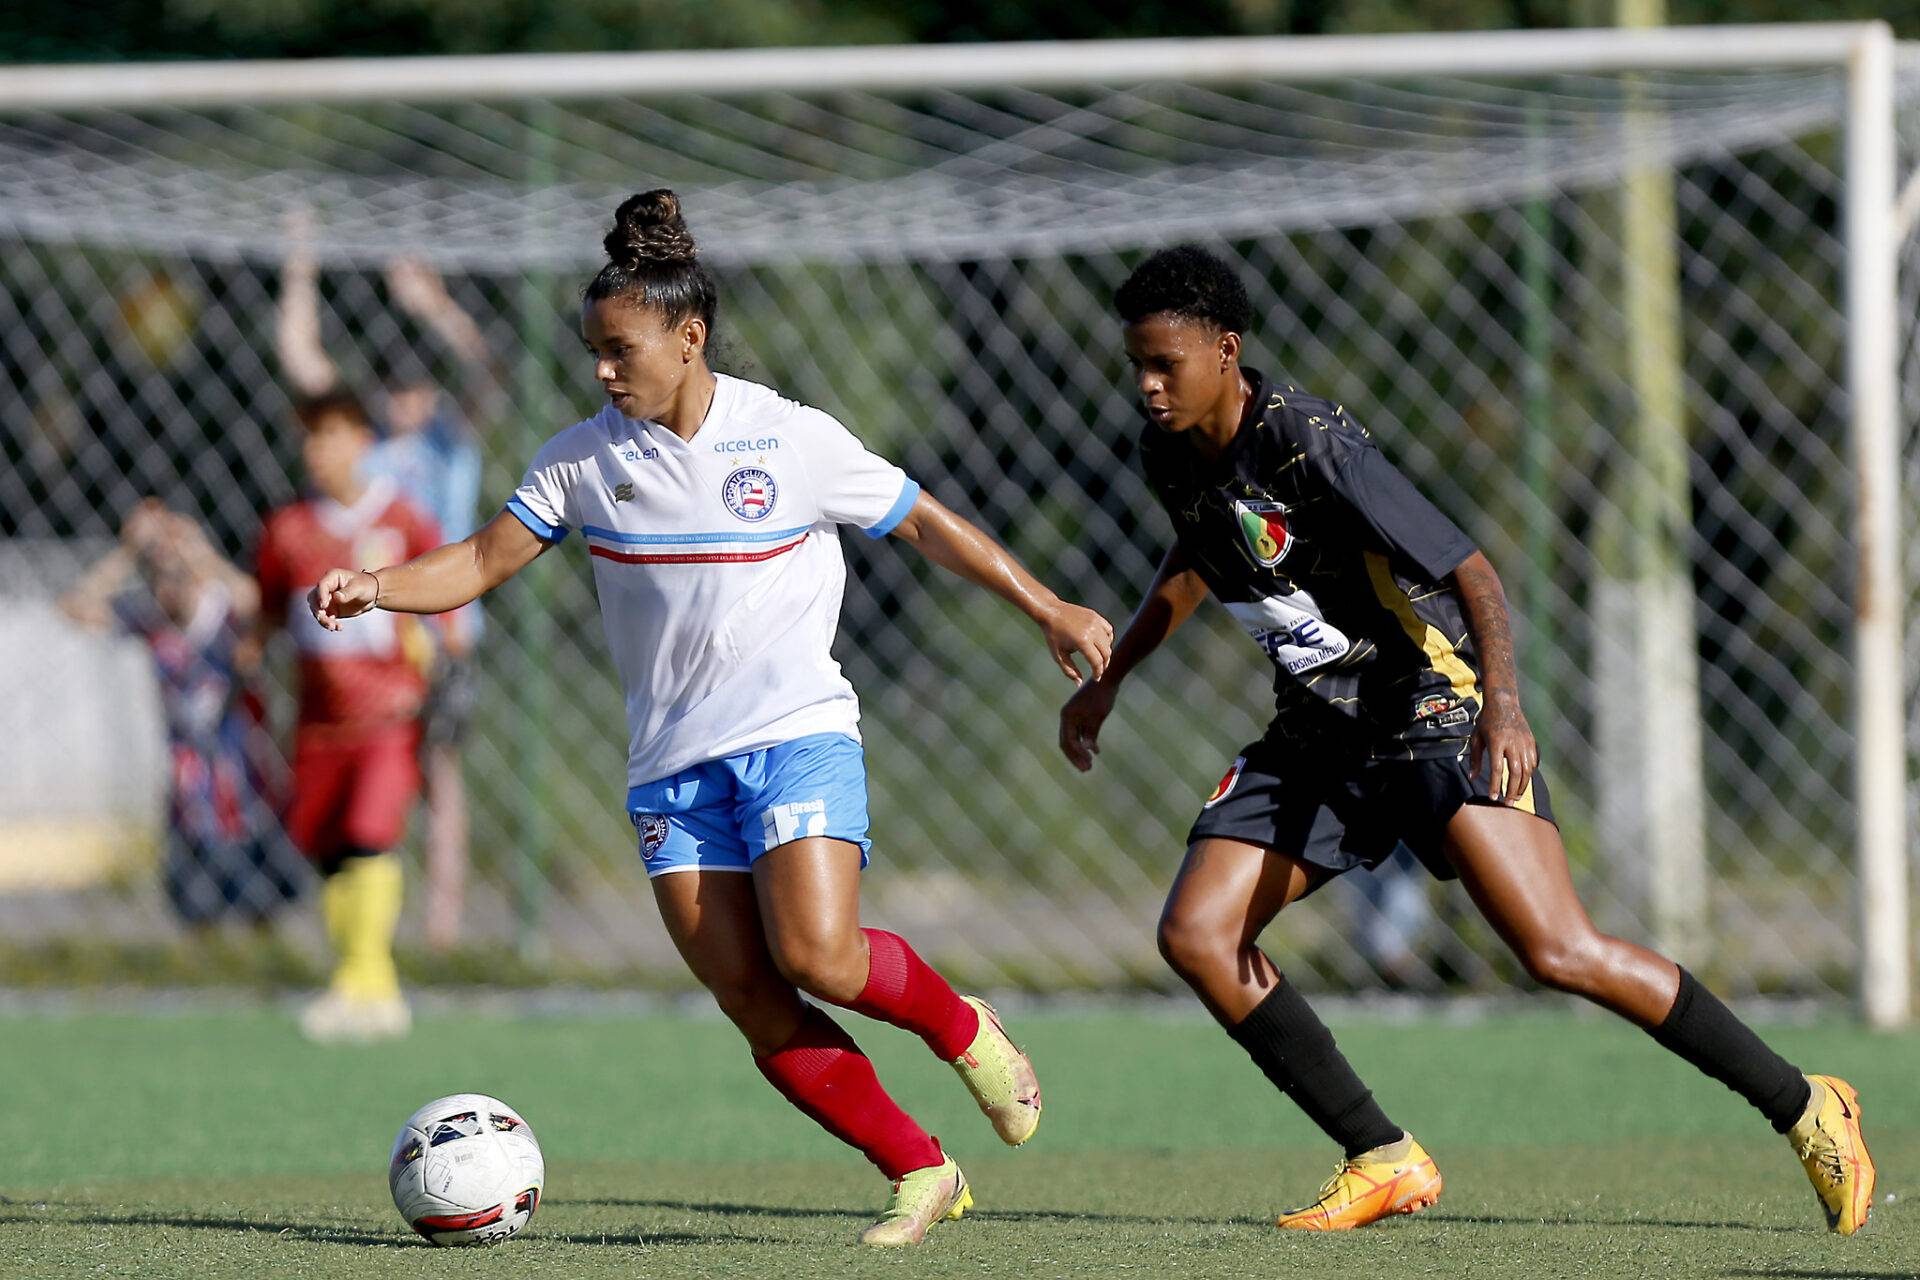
[(329, 864), (1287, 1040), (1704, 1032)]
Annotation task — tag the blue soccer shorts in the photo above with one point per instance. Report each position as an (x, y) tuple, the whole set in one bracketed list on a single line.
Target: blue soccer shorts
[(722, 815)]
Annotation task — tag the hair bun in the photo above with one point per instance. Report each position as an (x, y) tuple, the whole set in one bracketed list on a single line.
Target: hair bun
[(648, 231)]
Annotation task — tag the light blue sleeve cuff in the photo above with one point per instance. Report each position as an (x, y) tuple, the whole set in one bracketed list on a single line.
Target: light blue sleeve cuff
[(909, 494), (541, 529)]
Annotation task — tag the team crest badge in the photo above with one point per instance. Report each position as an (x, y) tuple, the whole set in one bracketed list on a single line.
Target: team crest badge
[(653, 832), (1226, 786), (750, 493), (1263, 528)]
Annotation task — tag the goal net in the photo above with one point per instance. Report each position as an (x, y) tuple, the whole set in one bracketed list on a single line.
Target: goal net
[(1598, 315)]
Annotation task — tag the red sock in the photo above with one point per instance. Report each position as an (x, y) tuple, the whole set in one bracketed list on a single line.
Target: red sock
[(822, 1072), (904, 990)]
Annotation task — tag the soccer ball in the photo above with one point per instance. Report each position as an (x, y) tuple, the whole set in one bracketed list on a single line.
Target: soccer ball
[(466, 1169)]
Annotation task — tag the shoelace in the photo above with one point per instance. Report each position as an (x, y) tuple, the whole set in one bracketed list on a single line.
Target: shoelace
[(1832, 1164), (1826, 1153), (1331, 1185)]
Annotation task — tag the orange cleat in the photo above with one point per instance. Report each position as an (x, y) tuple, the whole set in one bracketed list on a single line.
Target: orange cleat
[(1373, 1185), (1834, 1152)]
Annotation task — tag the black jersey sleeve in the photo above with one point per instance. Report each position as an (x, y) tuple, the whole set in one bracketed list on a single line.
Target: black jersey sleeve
[(1403, 517)]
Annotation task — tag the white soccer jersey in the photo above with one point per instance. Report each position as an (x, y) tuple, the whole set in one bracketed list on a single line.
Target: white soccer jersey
[(718, 566)]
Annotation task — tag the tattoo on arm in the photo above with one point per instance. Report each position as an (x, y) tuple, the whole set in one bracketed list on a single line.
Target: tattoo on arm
[(1485, 604)]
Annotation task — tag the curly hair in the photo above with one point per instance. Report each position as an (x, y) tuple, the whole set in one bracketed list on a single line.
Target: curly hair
[(1188, 282), (650, 253)]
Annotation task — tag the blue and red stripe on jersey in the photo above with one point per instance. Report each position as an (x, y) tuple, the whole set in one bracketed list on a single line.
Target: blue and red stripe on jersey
[(679, 548)]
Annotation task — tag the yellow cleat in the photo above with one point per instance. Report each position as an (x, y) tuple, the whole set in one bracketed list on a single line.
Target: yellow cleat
[(1000, 1077), (937, 1193), (1373, 1185), (1834, 1153)]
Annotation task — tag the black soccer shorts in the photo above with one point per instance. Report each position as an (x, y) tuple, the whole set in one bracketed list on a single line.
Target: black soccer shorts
[(1338, 810)]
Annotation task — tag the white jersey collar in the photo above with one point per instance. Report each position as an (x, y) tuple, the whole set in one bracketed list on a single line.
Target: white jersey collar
[(725, 389), (344, 521)]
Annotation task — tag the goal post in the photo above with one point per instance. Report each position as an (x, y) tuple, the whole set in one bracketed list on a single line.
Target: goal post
[(1873, 268), (1422, 217), (960, 67)]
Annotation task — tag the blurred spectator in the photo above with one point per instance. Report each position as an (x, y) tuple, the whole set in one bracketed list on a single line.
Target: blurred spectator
[(1392, 915), (356, 768), (427, 448), (166, 584)]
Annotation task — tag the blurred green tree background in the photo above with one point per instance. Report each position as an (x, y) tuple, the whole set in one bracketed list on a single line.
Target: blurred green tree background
[(108, 30)]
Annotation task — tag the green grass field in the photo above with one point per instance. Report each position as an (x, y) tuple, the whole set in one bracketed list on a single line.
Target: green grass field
[(212, 1144)]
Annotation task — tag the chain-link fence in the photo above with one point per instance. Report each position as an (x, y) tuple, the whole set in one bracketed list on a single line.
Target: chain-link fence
[(1597, 319)]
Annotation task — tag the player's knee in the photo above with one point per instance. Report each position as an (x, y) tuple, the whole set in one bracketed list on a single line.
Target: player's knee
[(736, 991), (1564, 963), (832, 969), (761, 1011), (1193, 946)]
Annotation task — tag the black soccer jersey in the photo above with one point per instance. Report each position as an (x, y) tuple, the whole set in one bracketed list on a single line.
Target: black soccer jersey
[(1337, 567)]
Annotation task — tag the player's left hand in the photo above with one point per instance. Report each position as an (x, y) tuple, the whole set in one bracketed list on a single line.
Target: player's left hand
[(1071, 629), (342, 593), (1503, 743), (1080, 722)]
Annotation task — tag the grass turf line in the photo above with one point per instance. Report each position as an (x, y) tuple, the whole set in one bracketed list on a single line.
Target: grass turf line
[(221, 1145)]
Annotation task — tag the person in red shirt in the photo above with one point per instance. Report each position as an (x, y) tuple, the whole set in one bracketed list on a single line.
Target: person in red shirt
[(356, 746)]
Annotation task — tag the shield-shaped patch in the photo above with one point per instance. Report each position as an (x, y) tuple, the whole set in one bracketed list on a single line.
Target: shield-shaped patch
[(1263, 529)]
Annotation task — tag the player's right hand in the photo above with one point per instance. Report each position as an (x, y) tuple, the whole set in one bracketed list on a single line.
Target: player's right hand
[(1080, 722), (342, 593)]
